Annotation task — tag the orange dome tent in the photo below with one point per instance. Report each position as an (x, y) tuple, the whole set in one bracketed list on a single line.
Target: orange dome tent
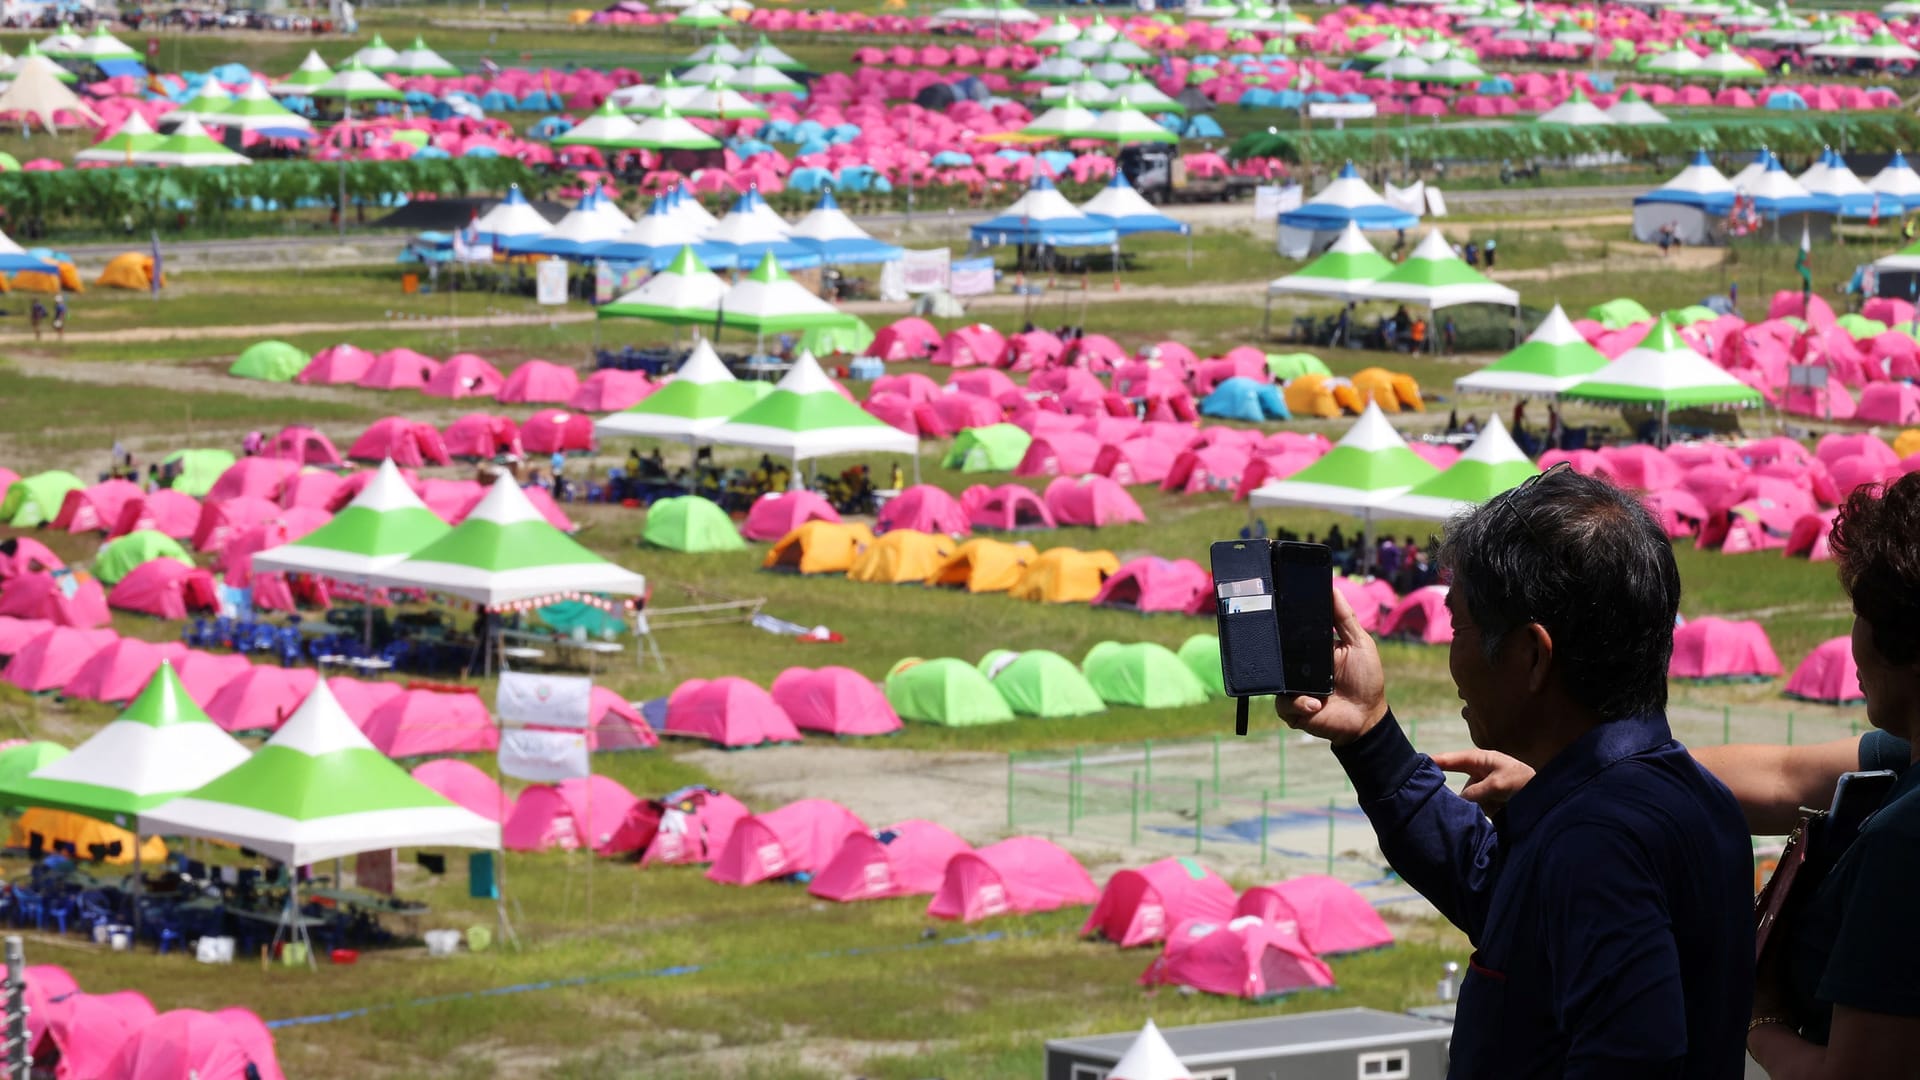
[(132, 270), (67, 279), (1311, 395), (56, 827)]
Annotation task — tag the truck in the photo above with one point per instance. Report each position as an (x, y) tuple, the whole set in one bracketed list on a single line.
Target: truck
[(1158, 174)]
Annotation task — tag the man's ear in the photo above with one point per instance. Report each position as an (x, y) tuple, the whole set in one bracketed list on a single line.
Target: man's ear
[(1533, 655)]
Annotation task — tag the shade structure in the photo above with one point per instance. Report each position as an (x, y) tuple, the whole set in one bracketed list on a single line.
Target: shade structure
[(312, 72), (717, 101), (190, 147), (1127, 211), (355, 82), (702, 395), (760, 77), (606, 128), (657, 238), (1700, 187), (671, 131), (1775, 193), (131, 137), (1829, 178), (1490, 466), (1043, 216), (319, 790), (1631, 108), (751, 231), (506, 551), (417, 60), (210, 98), (1577, 111), (768, 301), (829, 233), (162, 746), (381, 526), (766, 52), (1067, 120), (1553, 358), (1725, 65), (806, 416), (1123, 124), (1344, 271), (509, 218), (1433, 276), (374, 54), (37, 90), (686, 292), (1897, 180), (1370, 466), (254, 109), (1348, 200), (577, 235), (1664, 372)]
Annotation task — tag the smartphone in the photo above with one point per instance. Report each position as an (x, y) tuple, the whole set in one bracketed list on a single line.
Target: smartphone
[(1243, 582), (1303, 589)]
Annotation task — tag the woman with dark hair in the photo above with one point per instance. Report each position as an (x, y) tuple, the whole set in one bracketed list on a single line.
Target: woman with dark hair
[(1840, 997)]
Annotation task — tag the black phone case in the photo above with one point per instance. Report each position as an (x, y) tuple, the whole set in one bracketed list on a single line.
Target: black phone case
[(1249, 625)]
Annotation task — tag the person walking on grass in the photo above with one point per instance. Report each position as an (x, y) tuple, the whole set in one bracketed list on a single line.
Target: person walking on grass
[(37, 314), (60, 316)]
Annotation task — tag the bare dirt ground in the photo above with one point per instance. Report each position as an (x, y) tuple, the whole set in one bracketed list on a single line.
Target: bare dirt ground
[(256, 331)]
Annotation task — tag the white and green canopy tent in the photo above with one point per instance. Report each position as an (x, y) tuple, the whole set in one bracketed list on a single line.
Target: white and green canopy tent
[(685, 293), (101, 45), (1367, 469), (254, 109), (606, 127), (211, 99), (319, 790), (1434, 277), (760, 77), (670, 131), (385, 523), (356, 83), (1122, 124), (1344, 271), (133, 136), (504, 553), (1490, 466), (190, 147), (808, 416), (718, 102), (312, 72), (63, 44), (418, 60), (161, 747), (1067, 120), (374, 54), (766, 52), (719, 50), (700, 396), (768, 301), (1553, 358), (1663, 373)]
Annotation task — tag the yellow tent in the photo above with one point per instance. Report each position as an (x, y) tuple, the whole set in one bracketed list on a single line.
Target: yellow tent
[(984, 565), (1907, 444), (579, 16), (899, 557), (1377, 384), (132, 270), (819, 547), (1408, 389), (1311, 395), (59, 827), (39, 281), (1065, 576)]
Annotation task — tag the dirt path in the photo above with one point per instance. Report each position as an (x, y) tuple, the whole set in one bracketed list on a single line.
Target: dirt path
[(255, 331)]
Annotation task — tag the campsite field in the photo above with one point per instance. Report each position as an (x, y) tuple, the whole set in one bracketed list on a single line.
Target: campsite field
[(661, 974)]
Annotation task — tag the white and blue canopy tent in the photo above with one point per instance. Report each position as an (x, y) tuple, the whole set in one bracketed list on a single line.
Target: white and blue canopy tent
[(1898, 180), (510, 218), (657, 237), (1124, 208), (1830, 178), (1348, 200), (1045, 218), (828, 232), (751, 231), (574, 236), (1695, 203)]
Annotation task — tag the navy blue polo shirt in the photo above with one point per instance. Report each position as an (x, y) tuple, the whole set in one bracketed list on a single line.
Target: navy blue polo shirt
[(1610, 904)]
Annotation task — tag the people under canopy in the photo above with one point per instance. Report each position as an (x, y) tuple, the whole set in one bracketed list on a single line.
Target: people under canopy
[(808, 416), (1348, 200), (1043, 216), (1553, 358), (1663, 373), (702, 394), (1343, 271)]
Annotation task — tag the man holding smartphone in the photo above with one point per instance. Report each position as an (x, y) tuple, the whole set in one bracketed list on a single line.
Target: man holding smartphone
[(1610, 901)]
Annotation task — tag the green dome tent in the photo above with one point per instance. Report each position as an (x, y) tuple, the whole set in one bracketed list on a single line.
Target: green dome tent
[(1615, 314), (690, 523), (995, 448), (195, 471), (1201, 654), (1144, 674), (1691, 314), (16, 762), (35, 500), (851, 339), (946, 691), (1040, 683), (119, 558), (1284, 366), (270, 361)]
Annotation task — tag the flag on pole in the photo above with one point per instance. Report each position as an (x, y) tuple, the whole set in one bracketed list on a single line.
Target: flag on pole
[(1800, 262), (154, 284)]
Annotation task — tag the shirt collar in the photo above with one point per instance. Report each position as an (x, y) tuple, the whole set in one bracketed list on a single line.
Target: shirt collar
[(1581, 761)]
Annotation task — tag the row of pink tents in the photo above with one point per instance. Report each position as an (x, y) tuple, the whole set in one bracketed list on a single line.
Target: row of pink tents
[(121, 1036), (466, 375), (734, 712)]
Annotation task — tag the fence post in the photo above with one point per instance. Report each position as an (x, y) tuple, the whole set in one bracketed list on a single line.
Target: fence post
[(1329, 837), (1263, 828), (1726, 724), (1281, 735), (1216, 769), (1149, 777), (1135, 832), (1199, 823)]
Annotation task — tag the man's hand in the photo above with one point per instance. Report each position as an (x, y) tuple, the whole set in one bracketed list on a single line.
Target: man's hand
[(1492, 778), (1359, 697)]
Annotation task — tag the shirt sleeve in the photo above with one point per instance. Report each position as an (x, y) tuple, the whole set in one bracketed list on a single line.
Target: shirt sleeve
[(1439, 842), (1612, 959), (1874, 957), (1881, 750)]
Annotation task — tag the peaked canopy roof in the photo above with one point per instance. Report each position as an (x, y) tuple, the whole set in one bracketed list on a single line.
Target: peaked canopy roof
[(1149, 1058), (383, 524), (698, 397), (1348, 200), (1120, 206), (685, 292), (1434, 276), (828, 232), (1366, 469), (767, 300), (38, 91), (1664, 371), (312, 72), (1344, 270), (807, 416), (506, 551), (319, 790), (1043, 216), (161, 746), (1699, 184), (1490, 466), (1553, 358), (511, 217)]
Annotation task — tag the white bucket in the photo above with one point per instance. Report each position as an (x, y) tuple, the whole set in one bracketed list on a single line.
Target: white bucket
[(100, 935), (442, 942), (214, 950), (121, 937)]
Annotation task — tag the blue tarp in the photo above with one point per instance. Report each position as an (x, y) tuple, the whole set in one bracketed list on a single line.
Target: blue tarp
[(1786, 101), (1241, 398), (113, 69)]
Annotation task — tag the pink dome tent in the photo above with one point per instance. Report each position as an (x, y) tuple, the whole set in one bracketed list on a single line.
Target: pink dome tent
[(834, 701), (1828, 675), (799, 838), (358, 698), (96, 508), (611, 390), (121, 670), (969, 345), (1059, 453), (1013, 877), (1245, 958), (552, 431), (729, 711), (15, 633), (260, 698), (1714, 648), (336, 365), (776, 514), (1328, 915), (1678, 512), (1889, 403), (89, 1030), (907, 339), (313, 489), (23, 555), (302, 446), (252, 478), (209, 1046), (1138, 907), (540, 381), (1810, 536), (478, 435), (407, 442), (614, 724), (463, 785), (1151, 583), (205, 674), (1421, 616), (222, 520), (1208, 468), (1091, 501), (49, 991), (50, 660), (906, 859), (923, 508), (163, 510), (689, 826), (563, 815), (44, 595), (1010, 508), (399, 369), (421, 722), (464, 375)]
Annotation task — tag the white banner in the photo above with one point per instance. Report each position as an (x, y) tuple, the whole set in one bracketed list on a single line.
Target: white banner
[(925, 271), (1412, 200), (559, 701), (550, 281), (973, 277), (544, 757), (1436, 202), (893, 282), (1272, 200), (1342, 110)]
